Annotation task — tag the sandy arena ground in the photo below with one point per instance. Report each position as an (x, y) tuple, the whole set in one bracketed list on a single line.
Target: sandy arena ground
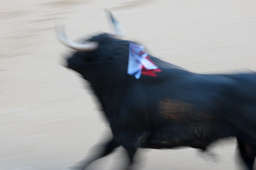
[(48, 118)]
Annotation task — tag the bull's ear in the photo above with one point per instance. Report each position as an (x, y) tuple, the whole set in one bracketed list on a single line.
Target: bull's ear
[(115, 23)]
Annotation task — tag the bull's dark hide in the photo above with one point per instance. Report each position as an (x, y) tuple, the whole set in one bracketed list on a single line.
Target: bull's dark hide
[(177, 108)]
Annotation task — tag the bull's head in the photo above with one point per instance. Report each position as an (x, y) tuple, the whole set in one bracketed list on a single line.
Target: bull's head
[(99, 57)]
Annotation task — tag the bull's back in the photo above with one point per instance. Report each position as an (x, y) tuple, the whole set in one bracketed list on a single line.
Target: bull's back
[(244, 86)]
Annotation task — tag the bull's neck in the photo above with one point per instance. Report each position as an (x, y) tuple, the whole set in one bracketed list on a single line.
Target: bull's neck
[(109, 93)]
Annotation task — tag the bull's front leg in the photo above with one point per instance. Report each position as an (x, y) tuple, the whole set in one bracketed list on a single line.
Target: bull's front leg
[(131, 143), (105, 149)]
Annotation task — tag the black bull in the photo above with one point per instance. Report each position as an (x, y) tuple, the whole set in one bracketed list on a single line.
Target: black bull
[(177, 108)]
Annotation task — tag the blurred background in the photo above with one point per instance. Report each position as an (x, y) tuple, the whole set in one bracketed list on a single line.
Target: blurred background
[(48, 118)]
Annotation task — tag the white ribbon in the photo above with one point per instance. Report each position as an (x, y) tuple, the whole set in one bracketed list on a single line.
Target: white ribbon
[(137, 60)]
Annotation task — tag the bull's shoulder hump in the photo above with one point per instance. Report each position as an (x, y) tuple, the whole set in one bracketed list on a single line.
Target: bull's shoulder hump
[(164, 64)]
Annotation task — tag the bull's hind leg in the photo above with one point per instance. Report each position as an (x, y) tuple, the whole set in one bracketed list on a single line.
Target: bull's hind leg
[(247, 154), (104, 150)]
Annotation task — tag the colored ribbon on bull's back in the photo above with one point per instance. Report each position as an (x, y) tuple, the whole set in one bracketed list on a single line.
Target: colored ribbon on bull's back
[(139, 62)]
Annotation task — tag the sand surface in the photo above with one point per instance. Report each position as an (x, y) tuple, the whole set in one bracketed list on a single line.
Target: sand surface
[(48, 118)]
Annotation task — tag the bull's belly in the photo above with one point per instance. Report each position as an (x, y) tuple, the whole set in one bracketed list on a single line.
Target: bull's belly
[(190, 136)]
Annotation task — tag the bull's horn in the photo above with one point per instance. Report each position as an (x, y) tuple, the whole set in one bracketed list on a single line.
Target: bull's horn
[(62, 37), (115, 23)]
